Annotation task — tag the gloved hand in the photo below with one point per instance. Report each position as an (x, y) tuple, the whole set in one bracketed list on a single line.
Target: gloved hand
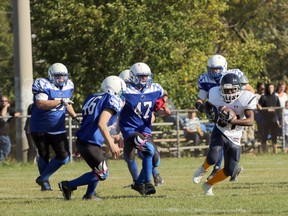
[(66, 101), (224, 118), (210, 111), (76, 121), (200, 107)]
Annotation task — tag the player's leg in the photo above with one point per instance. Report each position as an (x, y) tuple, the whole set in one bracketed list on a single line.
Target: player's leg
[(129, 157), (60, 146), (42, 159), (148, 150), (94, 157), (217, 166), (215, 151), (231, 158)]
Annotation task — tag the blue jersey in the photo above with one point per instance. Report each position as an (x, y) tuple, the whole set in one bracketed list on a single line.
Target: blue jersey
[(206, 82), (92, 108), (137, 112), (52, 120)]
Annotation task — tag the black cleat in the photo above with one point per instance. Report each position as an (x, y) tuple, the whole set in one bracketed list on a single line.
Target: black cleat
[(140, 188), (158, 181), (149, 189), (66, 190), (45, 185), (91, 197)]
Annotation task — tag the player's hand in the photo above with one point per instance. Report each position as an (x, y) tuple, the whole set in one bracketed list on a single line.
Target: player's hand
[(76, 121), (224, 118), (115, 150), (66, 101), (210, 112)]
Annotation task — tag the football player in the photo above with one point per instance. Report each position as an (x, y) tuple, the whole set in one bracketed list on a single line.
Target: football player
[(100, 110), (216, 67), (227, 132), (132, 166), (51, 101), (135, 125)]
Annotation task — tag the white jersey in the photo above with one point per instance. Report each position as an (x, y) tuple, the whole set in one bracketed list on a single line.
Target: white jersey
[(246, 100)]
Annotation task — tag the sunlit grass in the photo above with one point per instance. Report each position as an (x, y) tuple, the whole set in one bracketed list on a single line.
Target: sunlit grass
[(262, 189)]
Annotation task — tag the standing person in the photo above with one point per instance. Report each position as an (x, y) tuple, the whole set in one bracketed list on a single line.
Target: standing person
[(135, 125), (32, 150), (272, 117), (47, 125), (227, 131), (260, 90), (99, 111), (286, 126), (6, 112), (281, 92)]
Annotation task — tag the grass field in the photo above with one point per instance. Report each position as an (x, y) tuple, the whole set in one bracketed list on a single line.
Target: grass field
[(262, 189)]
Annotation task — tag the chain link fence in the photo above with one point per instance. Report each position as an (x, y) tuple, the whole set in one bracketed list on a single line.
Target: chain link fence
[(251, 140)]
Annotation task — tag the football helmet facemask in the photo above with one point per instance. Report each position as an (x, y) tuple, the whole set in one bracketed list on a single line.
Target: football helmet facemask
[(230, 86), (140, 75), (58, 74), (113, 85), (217, 65)]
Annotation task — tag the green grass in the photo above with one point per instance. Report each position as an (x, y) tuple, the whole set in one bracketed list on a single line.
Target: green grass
[(262, 189)]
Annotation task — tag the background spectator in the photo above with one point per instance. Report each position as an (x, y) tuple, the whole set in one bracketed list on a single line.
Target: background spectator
[(281, 92), (194, 130), (258, 117), (271, 117), (6, 112), (32, 151), (286, 126)]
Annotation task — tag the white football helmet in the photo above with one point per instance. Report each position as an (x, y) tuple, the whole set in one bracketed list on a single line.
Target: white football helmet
[(58, 74), (230, 86), (216, 62), (137, 71), (113, 85), (125, 75)]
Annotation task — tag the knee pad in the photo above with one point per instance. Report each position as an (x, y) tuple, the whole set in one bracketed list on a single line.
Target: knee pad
[(101, 171), (143, 145), (214, 154)]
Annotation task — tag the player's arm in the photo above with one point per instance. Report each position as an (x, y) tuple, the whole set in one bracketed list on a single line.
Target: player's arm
[(103, 120), (248, 121), (160, 108), (45, 104)]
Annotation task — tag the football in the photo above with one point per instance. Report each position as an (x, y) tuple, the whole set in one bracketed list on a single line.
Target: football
[(226, 109)]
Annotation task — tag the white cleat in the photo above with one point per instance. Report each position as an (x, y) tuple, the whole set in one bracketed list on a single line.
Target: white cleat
[(207, 189), (199, 174)]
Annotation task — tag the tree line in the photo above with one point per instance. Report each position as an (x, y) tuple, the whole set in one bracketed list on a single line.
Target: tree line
[(97, 38)]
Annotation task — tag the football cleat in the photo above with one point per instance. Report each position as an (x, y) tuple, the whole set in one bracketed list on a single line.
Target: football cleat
[(149, 189), (207, 189), (45, 185), (158, 181), (91, 197), (66, 190), (199, 174), (140, 188)]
